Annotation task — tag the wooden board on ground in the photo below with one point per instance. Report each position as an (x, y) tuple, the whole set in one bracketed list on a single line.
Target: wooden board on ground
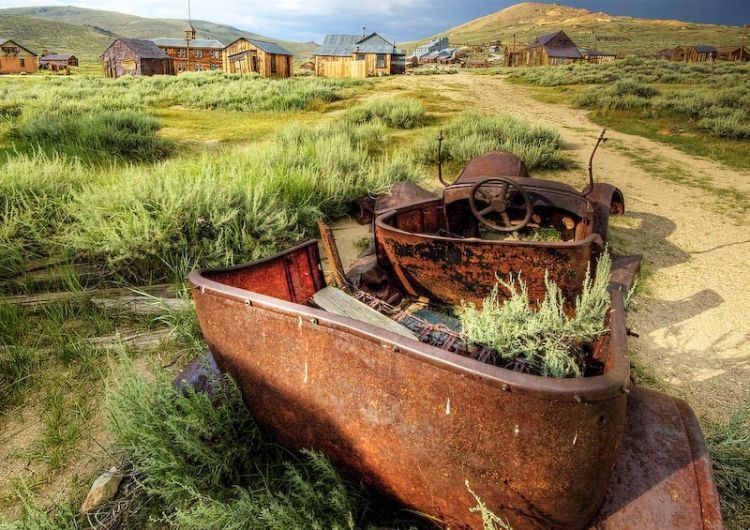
[(337, 301)]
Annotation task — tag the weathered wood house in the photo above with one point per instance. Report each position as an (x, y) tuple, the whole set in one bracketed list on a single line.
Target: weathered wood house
[(433, 46), (694, 54), (548, 49), (16, 59), (597, 56), (135, 57), (268, 59), (57, 62), (192, 54), (358, 56), (734, 54)]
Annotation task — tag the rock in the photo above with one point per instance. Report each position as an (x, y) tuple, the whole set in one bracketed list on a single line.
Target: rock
[(103, 490)]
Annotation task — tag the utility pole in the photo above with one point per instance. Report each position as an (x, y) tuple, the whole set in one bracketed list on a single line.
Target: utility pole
[(189, 35)]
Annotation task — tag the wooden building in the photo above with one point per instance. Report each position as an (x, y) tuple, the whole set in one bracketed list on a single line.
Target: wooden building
[(734, 54), (597, 56), (694, 54), (358, 56), (548, 49), (436, 45), (57, 62), (16, 59), (135, 57), (193, 54), (268, 59)]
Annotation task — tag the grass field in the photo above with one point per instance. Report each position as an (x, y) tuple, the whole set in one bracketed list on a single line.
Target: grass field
[(702, 109)]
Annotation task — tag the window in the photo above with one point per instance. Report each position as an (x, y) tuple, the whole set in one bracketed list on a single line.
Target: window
[(214, 54), (181, 66), (215, 66), (360, 56), (381, 60), (272, 58), (198, 54), (22, 62), (181, 52), (198, 67)]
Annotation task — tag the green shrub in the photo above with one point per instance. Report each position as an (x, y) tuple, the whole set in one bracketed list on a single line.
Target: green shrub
[(225, 208), (625, 87), (396, 113), (206, 463), (474, 134), (729, 444), (544, 338), (101, 135), (34, 193)]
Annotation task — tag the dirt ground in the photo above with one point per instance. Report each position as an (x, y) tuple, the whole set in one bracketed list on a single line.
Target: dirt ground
[(692, 313)]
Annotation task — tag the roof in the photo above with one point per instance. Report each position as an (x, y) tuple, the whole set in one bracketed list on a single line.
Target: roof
[(197, 43), (269, 47), (346, 45), (3, 40), (543, 40), (145, 49), (57, 57), (596, 53), (565, 53), (703, 48)]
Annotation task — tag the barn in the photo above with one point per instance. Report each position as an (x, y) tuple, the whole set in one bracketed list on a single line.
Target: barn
[(358, 56), (135, 57), (597, 56), (548, 49), (268, 59), (57, 62), (16, 59), (694, 54), (734, 54)]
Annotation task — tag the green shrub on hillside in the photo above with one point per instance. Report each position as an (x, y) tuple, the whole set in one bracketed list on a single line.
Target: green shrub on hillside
[(473, 134)]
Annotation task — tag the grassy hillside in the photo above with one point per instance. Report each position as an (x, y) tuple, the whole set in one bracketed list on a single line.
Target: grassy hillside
[(622, 34), (87, 32)]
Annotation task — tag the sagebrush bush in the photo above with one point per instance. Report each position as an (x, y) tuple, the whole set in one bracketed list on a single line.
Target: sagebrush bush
[(219, 209), (396, 113), (474, 134), (546, 337), (102, 136), (206, 464), (34, 193)]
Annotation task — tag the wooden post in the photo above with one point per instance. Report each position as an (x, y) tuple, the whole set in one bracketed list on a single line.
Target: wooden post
[(332, 253)]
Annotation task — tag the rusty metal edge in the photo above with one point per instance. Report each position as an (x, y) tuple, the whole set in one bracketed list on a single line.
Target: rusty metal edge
[(612, 383), (387, 214), (704, 476)]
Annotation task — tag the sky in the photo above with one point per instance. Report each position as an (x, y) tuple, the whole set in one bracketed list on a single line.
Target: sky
[(400, 20)]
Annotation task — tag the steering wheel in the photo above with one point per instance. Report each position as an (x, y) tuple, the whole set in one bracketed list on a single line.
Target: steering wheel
[(487, 190)]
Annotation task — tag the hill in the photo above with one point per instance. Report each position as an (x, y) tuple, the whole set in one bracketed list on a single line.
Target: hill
[(87, 32), (588, 29)]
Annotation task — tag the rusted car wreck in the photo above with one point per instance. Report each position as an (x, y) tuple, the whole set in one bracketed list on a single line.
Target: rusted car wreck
[(409, 408)]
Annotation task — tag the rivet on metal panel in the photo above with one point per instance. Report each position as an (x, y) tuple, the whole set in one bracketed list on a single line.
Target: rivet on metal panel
[(578, 398), (505, 387), (203, 289), (248, 303), (395, 348), (314, 321), (626, 390)]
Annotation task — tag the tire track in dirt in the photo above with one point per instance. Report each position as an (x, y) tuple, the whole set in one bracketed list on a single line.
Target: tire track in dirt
[(692, 315)]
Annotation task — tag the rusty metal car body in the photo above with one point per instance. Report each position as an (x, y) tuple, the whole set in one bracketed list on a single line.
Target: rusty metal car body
[(448, 248), (418, 422)]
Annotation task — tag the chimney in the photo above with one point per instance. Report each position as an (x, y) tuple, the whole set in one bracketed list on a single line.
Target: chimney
[(364, 31)]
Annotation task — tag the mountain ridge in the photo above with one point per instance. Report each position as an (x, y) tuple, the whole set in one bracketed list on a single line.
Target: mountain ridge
[(58, 27)]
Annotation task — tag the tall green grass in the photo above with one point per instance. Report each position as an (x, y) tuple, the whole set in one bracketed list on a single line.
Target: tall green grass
[(397, 113), (98, 136), (220, 209), (206, 464), (473, 134)]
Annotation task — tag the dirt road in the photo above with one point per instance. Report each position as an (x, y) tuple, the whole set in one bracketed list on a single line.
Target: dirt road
[(693, 313)]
